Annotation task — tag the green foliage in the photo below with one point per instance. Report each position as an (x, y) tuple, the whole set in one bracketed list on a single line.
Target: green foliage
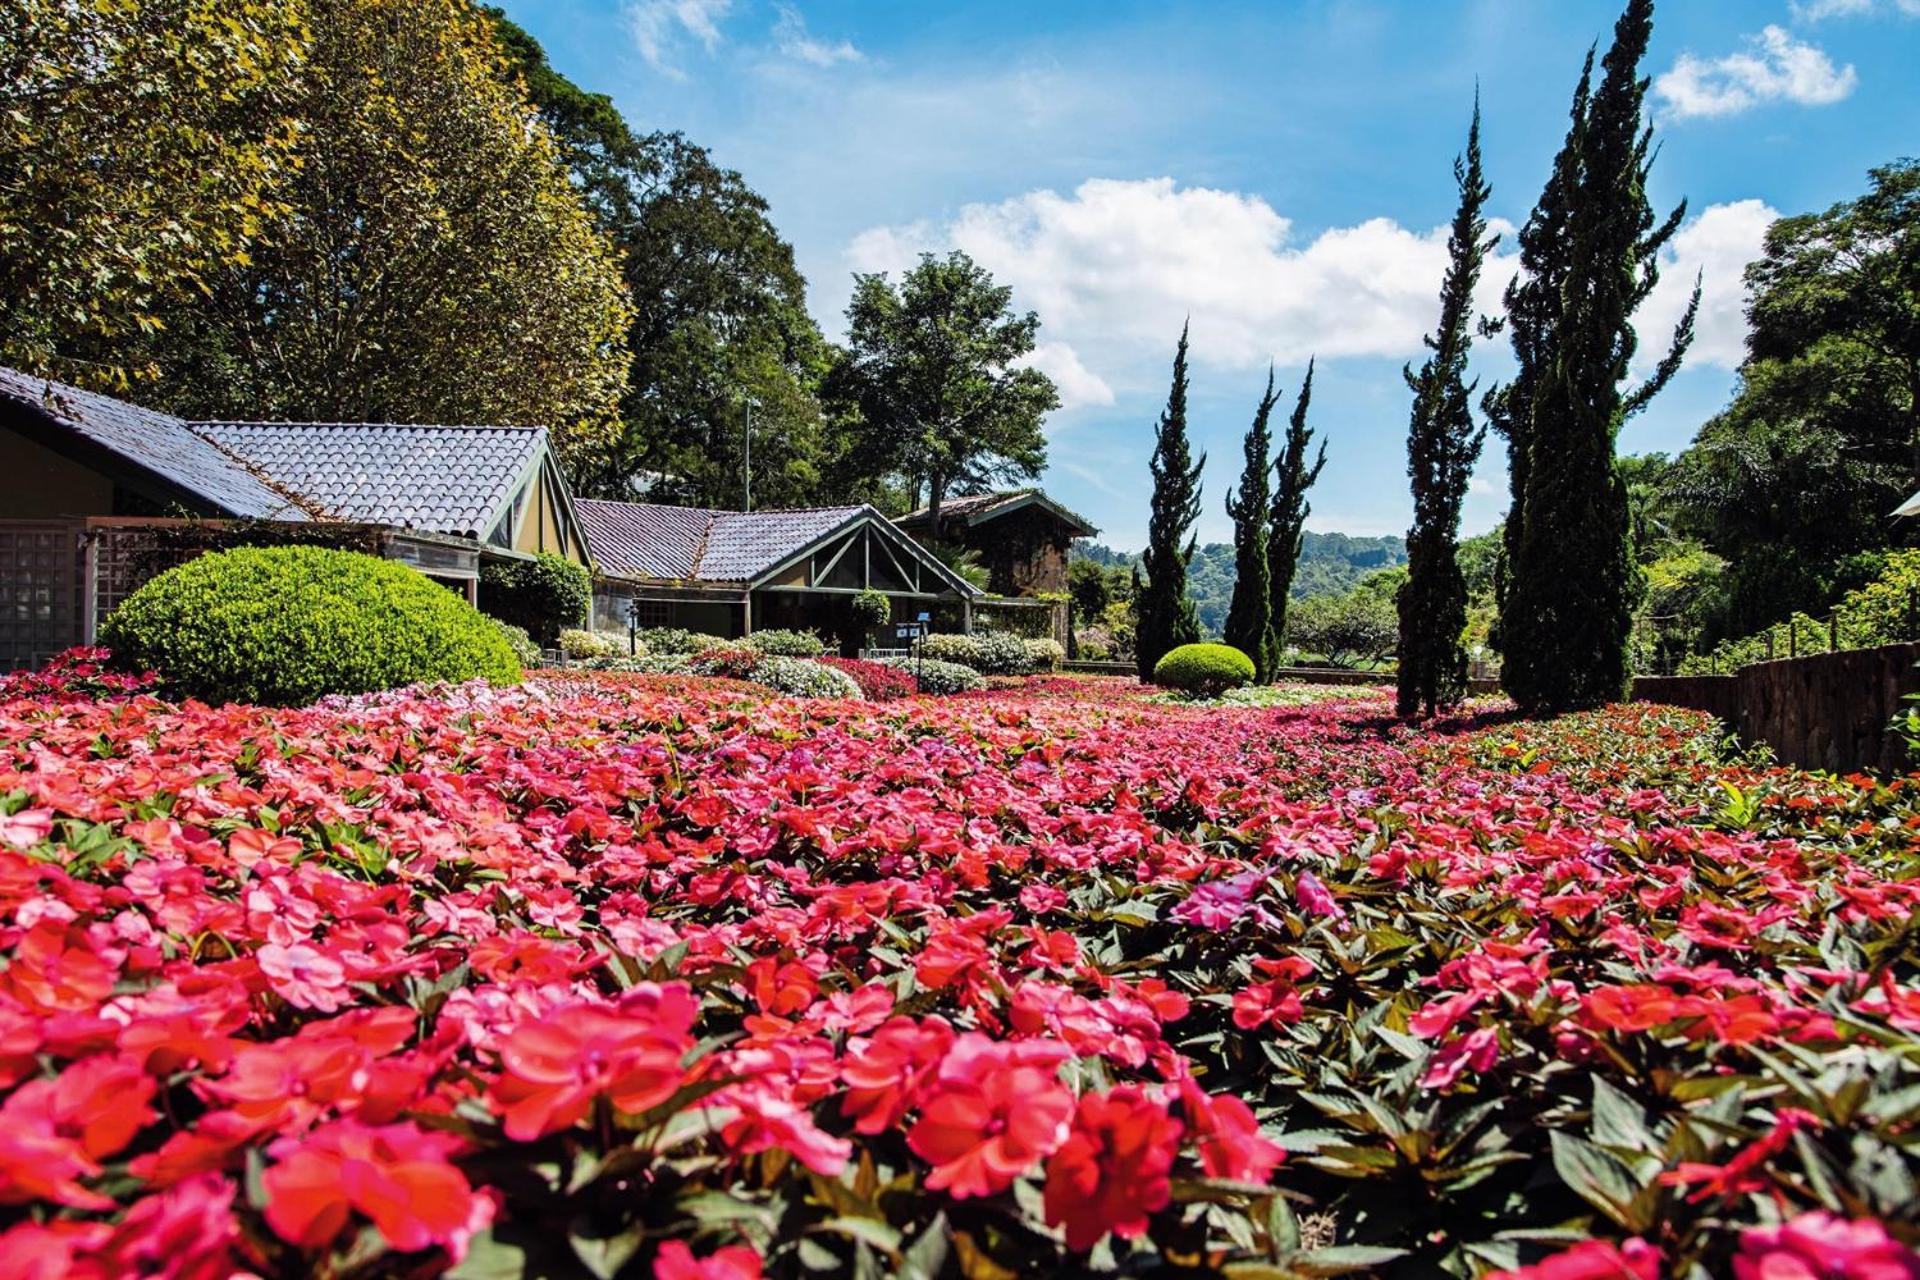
[(283, 626), (1443, 444), (1881, 612), (544, 593), (781, 643), (677, 640), (793, 676), (872, 609), (932, 366), (433, 263), (126, 183), (1204, 670), (1249, 625), (964, 650), (1589, 256), (1357, 628), (1287, 524), (1045, 654), (937, 677), (1166, 614)]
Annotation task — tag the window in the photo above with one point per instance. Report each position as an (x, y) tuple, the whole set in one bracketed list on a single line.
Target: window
[(652, 613)]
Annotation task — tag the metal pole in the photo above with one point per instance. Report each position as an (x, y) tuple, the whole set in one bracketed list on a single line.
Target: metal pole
[(747, 470), (1833, 630)]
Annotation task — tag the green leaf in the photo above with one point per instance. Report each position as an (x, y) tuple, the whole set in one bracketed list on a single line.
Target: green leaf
[(1341, 1259), (1596, 1177)]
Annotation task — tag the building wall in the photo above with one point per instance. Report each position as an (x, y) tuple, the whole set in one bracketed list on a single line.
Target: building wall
[(1024, 552), (38, 484)]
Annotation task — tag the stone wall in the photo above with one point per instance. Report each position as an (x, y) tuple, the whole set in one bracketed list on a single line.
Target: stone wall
[(1823, 711)]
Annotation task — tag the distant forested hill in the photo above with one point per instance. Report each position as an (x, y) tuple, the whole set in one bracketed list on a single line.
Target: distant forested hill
[(1330, 563)]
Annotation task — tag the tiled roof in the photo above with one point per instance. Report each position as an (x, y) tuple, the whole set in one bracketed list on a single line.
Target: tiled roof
[(157, 442), (439, 479), (642, 540), (976, 507), (741, 546)]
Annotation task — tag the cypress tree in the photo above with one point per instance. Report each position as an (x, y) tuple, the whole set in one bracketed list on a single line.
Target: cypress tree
[(1290, 507), (1571, 582), (1250, 614), (1442, 446), (1166, 614)]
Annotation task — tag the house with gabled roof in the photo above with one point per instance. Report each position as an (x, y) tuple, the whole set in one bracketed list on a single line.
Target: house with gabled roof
[(1022, 537), (89, 483), (730, 573)]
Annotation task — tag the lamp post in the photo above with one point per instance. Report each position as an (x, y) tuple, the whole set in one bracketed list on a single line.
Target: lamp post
[(747, 466)]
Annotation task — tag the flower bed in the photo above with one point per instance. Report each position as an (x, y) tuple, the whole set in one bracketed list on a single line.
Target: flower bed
[(642, 976)]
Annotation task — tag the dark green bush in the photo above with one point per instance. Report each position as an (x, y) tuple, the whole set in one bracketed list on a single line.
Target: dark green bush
[(1206, 670), (283, 626), (872, 609), (544, 594)]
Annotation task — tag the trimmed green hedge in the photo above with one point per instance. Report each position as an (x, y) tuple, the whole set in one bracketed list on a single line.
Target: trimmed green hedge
[(284, 626), (545, 594), (1207, 670)]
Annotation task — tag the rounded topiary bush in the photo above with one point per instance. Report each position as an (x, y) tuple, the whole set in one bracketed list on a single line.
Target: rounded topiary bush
[(1002, 655), (1204, 669), (283, 626), (543, 593), (779, 642), (964, 650)]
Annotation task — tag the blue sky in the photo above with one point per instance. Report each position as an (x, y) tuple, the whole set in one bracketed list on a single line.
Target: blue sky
[(1277, 171)]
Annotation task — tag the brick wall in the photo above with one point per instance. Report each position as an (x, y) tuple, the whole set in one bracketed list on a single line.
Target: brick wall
[(1823, 711)]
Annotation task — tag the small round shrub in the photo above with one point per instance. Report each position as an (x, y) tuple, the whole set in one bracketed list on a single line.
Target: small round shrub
[(936, 676), (579, 644), (803, 678), (679, 640), (1002, 655), (872, 609), (543, 594), (522, 644), (781, 643), (1045, 655), (731, 660), (1204, 670), (964, 650), (645, 664), (282, 626)]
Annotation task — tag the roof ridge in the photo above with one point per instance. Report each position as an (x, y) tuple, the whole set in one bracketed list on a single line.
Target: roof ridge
[(377, 426)]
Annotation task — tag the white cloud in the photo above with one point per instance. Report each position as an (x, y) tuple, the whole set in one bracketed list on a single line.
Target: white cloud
[(1078, 384), (791, 36), (1775, 67), (659, 26), (1820, 10), (1717, 246), (1115, 267)]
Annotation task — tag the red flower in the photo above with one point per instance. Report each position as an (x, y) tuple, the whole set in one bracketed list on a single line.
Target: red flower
[(1478, 1049), (883, 1072), (1227, 1136), (396, 1175), (1819, 1246), (554, 1067), (994, 1111), (1112, 1171), (1634, 1259), (675, 1261), (55, 969)]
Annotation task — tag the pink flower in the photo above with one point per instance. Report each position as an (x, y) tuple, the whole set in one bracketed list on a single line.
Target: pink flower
[(1820, 1246), (1633, 1259), (1477, 1050), (675, 1261), (304, 976), (1313, 897)]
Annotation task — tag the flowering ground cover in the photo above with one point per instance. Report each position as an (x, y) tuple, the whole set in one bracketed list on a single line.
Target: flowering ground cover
[(622, 975)]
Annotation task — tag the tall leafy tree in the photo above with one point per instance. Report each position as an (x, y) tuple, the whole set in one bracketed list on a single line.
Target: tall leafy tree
[(1287, 521), (1167, 617), (932, 365), (1249, 625), (434, 261), (126, 182), (720, 343), (1443, 443), (1572, 582)]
